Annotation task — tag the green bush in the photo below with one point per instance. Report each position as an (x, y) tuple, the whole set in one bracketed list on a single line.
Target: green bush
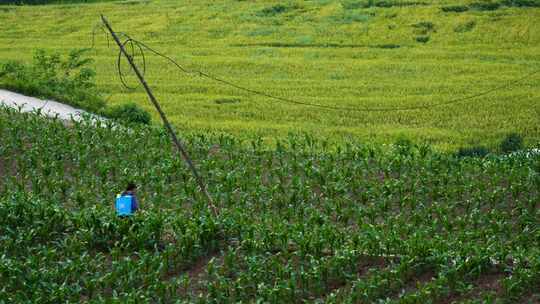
[(424, 27), (422, 39), (475, 151), (274, 10), (355, 4), (455, 8), (64, 79), (388, 46), (129, 113), (485, 5), (522, 3), (226, 100), (511, 143)]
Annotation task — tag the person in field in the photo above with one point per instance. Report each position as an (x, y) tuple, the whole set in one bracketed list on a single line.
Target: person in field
[(126, 203)]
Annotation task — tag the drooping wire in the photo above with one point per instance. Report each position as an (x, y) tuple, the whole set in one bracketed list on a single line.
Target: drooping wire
[(99, 26), (140, 45), (132, 45)]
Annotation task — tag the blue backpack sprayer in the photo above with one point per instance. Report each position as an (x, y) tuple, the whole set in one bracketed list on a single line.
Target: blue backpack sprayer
[(123, 205)]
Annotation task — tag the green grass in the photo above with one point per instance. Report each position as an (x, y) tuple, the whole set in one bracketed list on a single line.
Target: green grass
[(322, 52)]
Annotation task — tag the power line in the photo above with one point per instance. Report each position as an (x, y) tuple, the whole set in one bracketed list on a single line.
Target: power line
[(176, 140), (141, 45)]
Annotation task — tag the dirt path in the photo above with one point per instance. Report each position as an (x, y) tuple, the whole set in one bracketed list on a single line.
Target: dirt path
[(48, 107)]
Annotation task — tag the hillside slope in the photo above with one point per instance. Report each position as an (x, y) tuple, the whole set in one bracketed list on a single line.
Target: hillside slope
[(339, 53)]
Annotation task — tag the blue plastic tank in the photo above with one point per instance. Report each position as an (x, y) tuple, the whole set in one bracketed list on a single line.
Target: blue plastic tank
[(123, 205)]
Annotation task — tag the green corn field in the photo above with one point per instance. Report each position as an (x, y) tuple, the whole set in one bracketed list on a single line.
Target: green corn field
[(304, 222)]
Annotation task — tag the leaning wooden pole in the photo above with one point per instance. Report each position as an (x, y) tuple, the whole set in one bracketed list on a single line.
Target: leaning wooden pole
[(175, 139)]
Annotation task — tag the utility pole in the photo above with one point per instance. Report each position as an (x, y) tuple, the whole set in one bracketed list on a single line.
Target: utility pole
[(175, 139)]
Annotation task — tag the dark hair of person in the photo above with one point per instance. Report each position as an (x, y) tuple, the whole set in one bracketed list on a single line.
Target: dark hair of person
[(131, 187)]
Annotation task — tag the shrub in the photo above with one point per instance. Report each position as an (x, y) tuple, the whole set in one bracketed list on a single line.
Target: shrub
[(387, 4), (274, 10), (455, 8), (485, 5), (522, 3), (424, 27), (475, 151), (129, 113), (355, 4), (388, 46), (422, 39), (226, 100), (65, 79), (427, 25), (511, 143)]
